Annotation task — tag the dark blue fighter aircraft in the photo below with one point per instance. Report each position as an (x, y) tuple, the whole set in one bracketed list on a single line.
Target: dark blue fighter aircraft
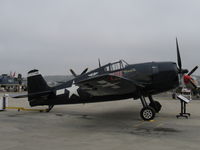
[(113, 81)]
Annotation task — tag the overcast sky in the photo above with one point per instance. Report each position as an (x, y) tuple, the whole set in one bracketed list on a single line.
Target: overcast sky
[(56, 35)]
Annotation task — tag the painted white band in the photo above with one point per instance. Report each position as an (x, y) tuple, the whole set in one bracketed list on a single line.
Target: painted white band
[(33, 74)]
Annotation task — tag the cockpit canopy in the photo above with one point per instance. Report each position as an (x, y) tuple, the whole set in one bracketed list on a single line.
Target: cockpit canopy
[(115, 66)]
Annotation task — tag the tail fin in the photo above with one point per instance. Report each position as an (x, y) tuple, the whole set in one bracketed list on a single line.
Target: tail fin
[(38, 90), (36, 83)]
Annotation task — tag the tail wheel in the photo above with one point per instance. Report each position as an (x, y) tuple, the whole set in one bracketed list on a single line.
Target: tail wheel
[(147, 113), (156, 105)]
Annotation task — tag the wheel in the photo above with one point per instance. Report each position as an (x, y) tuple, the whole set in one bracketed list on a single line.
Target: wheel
[(147, 113), (173, 96), (156, 105)]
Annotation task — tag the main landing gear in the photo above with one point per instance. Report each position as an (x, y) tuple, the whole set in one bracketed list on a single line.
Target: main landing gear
[(148, 112)]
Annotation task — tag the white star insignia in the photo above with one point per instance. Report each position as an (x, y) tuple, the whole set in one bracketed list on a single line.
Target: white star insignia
[(73, 90)]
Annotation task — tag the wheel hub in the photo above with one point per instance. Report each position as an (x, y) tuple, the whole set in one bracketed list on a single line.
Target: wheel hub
[(147, 114)]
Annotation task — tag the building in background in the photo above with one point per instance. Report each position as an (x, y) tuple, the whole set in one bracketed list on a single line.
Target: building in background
[(10, 83)]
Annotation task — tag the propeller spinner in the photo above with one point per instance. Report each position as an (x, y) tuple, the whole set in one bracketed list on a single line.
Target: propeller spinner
[(188, 80)]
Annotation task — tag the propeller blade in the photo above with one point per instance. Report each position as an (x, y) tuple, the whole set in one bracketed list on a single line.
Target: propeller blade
[(193, 70), (99, 63), (178, 56), (194, 85), (73, 73), (84, 71)]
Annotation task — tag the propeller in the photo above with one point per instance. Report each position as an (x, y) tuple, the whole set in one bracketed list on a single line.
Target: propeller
[(75, 75), (189, 82), (187, 78), (99, 63)]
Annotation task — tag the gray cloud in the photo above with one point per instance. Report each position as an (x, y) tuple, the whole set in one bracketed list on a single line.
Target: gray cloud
[(56, 35)]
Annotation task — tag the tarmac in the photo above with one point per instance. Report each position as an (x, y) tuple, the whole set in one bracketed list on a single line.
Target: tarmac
[(99, 126)]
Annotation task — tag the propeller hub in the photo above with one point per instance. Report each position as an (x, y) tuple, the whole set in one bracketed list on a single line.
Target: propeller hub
[(189, 82), (187, 79)]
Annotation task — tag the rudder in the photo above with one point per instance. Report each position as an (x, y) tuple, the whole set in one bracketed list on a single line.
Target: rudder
[(36, 82)]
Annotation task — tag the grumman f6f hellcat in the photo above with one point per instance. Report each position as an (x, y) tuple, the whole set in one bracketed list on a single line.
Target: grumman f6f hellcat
[(113, 81)]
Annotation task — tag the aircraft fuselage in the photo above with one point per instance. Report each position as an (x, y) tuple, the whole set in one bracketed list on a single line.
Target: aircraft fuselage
[(155, 77)]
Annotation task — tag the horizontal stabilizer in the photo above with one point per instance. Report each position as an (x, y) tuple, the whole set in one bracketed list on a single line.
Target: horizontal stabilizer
[(19, 96), (32, 94)]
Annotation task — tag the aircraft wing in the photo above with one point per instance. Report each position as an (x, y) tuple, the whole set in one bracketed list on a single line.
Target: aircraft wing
[(108, 85)]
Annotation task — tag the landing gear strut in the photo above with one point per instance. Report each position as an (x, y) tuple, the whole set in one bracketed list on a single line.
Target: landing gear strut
[(49, 108), (155, 104)]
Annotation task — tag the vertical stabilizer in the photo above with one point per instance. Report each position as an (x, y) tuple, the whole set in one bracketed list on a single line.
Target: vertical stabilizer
[(36, 82)]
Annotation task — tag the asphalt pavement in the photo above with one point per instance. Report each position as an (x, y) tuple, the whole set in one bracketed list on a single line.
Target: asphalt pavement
[(99, 126)]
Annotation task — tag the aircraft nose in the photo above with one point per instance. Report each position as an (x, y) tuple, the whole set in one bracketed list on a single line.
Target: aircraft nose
[(187, 79), (189, 82)]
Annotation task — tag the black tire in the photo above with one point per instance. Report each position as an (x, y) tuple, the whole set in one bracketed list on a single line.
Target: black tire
[(147, 113), (156, 105), (173, 96)]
